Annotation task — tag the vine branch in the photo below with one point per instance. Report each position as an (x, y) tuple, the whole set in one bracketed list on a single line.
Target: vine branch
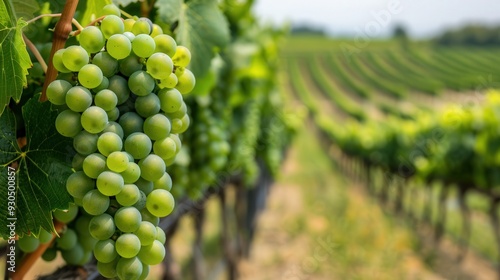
[(35, 52)]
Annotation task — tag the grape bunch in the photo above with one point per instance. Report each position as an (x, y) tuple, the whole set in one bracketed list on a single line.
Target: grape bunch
[(120, 96)]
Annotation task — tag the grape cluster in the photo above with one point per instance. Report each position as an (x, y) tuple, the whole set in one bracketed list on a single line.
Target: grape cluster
[(120, 95)]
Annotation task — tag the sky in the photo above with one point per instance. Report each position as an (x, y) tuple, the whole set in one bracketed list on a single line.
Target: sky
[(375, 18)]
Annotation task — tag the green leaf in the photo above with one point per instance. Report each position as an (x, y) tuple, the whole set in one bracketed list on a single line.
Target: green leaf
[(25, 8), (202, 28), (43, 167), (93, 10), (14, 58), (124, 3)]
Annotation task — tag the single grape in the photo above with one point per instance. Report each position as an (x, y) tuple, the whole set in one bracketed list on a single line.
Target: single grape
[(146, 233), (131, 123), (177, 141), (147, 105), (141, 83), (143, 45), (111, 9), (157, 126), (182, 56), (44, 237), (159, 65), (112, 25), (129, 195), (94, 164), (86, 240), (186, 82), (28, 243), (85, 143), (142, 26), (68, 123), (78, 99), (50, 254), (113, 114), (129, 268), (147, 216), (119, 46), (114, 127), (165, 182), (110, 183), (160, 235), (119, 86), (108, 270), (129, 23), (57, 61), (103, 85), (102, 227), (165, 44), (138, 145), (165, 148), (56, 92), (170, 100), (104, 251), (95, 203), (94, 119), (109, 142), (130, 64), (128, 219), (129, 35), (107, 64), (179, 113), (169, 82), (73, 255), (117, 161), (152, 254), (144, 186), (152, 167), (132, 173), (157, 30), (67, 240), (160, 203), (75, 57), (91, 39), (68, 215), (90, 76), (128, 245)]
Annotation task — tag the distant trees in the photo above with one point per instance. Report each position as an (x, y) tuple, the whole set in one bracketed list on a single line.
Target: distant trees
[(470, 35)]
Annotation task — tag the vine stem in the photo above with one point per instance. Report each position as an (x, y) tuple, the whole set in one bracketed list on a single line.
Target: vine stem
[(30, 259), (74, 21), (35, 52), (74, 33), (61, 33)]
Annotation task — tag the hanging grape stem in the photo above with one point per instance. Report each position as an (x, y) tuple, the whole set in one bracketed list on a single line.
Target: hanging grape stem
[(61, 33)]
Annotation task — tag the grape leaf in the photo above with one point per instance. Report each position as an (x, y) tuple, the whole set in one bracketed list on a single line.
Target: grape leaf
[(14, 58), (93, 10), (25, 8), (44, 164), (202, 28)]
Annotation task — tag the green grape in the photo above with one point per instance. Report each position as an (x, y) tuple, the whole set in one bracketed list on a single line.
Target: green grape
[(141, 83), (131, 123), (112, 25), (143, 45), (119, 46), (85, 143), (157, 127), (109, 142), (129, 268), (129, 195), (165, 148), (169, 82), (95, 203), (179, 113), (94, 164), (147, 216), (165, 44), (157, 30), (177, 141), (115, 128), (103, 85), (90, 76), (144, 186), (145, 272), (111, 9), (91, 39), (78, 99), (108, 270), (73, 255), (44, 237), (152, 167), (129, 35), (129, 23), (185, 121), (66, 216), (107, 64), (75, 57), (138, 145), (128, 219), (182, 56), (186, 82), (118, 85), (110, 183), (130, 64), (159, 65), (177, 126), (113, 114), (141, 203), (94, 119), (146, 233), (104, 251), (117, 161), (160, 235), (28, 243), (106, 99), (128, 245), (57, 61), (67, 240), (170, 100), (86, 240), (160, 203), (68, 123), (142, 26), (102, 227), (56, 92), (152, 254), (165, 182), (147, 105), (78, 184), (87, 257), (49, 255), (131, 174)]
